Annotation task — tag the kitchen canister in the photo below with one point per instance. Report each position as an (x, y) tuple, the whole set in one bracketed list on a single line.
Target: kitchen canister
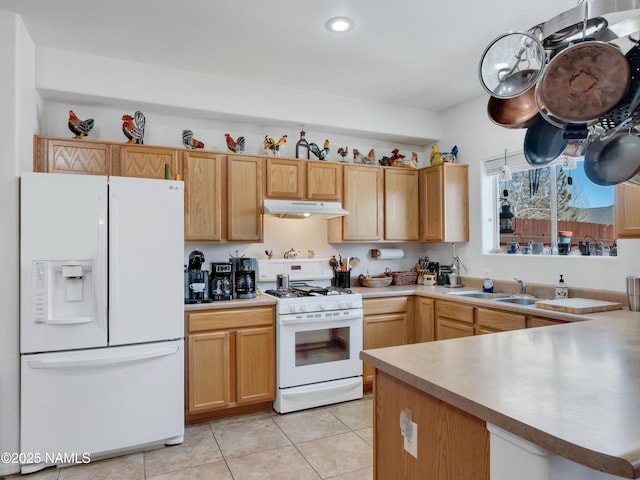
[(633, 291)]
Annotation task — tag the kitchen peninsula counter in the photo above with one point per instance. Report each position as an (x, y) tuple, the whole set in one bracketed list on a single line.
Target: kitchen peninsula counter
[(570, 389)]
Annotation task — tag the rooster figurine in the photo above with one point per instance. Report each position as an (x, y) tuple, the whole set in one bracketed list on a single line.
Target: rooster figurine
[(78, 127), (133, 127), (236, 146), (343, 152), (395, 155), (360, 158), (190, 142), (318, 152), (269, 144), (435, 158), (372, 156)]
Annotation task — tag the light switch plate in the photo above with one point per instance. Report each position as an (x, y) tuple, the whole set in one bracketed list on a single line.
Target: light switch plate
[(411, 441)]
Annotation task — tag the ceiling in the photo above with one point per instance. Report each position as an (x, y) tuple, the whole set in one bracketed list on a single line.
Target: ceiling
[(416, 53)]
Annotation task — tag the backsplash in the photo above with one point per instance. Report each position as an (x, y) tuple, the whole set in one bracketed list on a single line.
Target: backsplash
[(282, 234)]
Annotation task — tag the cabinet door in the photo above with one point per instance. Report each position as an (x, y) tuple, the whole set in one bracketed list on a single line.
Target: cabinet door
[(285, 178), (446, 328), (401, 213), (244, 198), (424, 320), (379, 331), (489, 320), (55, 155), (625, 212), (204, 188), (363, 200), (324, 181), (255, 365), (145, 161), (209, 371), (533, 321), (444, 203)]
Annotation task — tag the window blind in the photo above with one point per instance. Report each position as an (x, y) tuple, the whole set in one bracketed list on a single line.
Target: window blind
[(516, 161)]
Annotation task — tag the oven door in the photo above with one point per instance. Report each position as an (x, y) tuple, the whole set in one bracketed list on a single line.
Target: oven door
[(312, 350)]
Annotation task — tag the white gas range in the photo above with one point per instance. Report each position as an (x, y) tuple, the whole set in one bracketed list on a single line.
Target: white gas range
[(318, 335)]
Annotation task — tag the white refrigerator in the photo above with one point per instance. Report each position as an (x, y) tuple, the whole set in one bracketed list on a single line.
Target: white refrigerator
[(101, 316)]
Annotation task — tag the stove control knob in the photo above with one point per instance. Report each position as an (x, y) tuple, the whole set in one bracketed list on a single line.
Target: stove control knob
[(322, 306), (302, 307)]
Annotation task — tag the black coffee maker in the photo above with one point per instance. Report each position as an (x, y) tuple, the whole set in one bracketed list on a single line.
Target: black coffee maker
[(196, 280), (244, 277), (221, 282)]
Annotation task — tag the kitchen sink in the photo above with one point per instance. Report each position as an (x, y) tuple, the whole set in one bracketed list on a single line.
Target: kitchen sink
[(477, 294), (526, 301)]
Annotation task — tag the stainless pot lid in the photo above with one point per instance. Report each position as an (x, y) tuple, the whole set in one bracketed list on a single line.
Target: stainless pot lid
[(511, 64)]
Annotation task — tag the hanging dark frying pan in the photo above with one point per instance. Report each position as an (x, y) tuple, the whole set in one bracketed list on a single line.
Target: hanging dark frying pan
[(583, 82), (543, 143)]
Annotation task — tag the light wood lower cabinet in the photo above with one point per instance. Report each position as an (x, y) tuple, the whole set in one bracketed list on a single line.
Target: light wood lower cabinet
[(490, 321), (453, 320), (230, 360), (452, 444), (385, 324), (534, 321), (424, 319)]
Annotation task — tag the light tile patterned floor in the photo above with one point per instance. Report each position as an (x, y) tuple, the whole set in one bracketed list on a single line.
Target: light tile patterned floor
[(333, 442)]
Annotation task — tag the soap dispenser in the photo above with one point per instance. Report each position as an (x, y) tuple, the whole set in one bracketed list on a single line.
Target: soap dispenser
[(562, 290), (487, 285)]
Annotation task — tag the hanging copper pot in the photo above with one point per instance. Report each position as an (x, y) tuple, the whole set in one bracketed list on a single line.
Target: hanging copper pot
[(520, 111), (583, 82)]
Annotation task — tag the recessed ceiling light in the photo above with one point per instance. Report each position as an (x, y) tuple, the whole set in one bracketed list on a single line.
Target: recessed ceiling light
[(340, 24)]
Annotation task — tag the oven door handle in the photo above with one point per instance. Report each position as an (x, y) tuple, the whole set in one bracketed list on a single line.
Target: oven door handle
[(297, 320)]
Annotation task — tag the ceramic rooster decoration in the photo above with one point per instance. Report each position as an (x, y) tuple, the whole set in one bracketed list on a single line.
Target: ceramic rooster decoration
[(78, 127), (372, 156), (269, 144), (435, 158), (321, 153), (360, 158), (190, 142), (395, 156), (133, 127), (343, 152), (236, 146)]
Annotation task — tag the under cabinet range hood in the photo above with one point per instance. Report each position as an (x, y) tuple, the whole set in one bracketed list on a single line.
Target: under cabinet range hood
[(303, 208)]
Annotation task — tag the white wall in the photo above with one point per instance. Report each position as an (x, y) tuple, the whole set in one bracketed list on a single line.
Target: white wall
[(17, 125), (468, 126)]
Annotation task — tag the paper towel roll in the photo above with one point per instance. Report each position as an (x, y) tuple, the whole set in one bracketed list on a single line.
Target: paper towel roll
[(387, 253)]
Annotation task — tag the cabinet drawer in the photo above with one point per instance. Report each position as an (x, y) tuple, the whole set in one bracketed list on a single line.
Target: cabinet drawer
[(375, 306), (455, 311), (533, 321), (499, 320), (236, 318)]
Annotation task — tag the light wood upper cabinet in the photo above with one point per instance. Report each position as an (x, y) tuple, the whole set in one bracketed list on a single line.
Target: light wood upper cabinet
[(401, 216), (444, 203), (625, 211), (285, 178), (303, 179), (57, 155), (204, 195), (244, 198), (145, 161), (324, 181), (363, 199)]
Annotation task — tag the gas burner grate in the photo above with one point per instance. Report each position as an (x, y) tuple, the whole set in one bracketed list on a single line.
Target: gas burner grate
[(283, 293)]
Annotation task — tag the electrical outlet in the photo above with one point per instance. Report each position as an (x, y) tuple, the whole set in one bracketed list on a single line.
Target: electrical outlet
[(411, 440)]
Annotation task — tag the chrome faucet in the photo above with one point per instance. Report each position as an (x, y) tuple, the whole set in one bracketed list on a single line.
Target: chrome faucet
[(521, 284)]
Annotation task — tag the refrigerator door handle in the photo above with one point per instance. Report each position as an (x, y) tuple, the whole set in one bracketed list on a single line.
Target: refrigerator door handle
[(114, 258), (101, 270), (69, 321), (104, 360)]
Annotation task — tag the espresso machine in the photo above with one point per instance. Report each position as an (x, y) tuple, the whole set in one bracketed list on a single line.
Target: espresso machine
[(244, 277), (221, 282), (196, 280)]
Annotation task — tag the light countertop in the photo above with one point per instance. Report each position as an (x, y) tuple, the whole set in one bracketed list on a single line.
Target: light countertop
[(572, 389)]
